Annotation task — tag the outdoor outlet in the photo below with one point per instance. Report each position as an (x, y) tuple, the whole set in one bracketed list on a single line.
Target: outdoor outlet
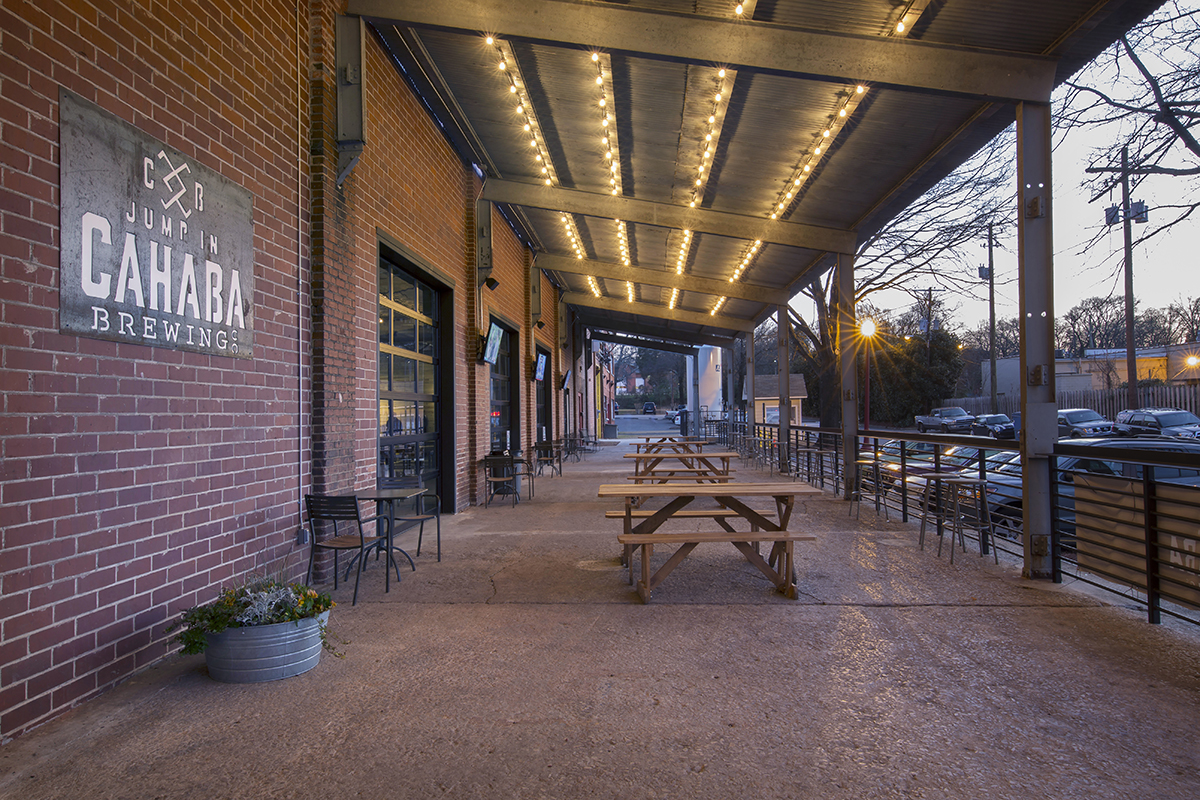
[(302, 536)]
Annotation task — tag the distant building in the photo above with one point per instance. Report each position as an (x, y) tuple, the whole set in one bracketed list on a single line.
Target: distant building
[(1176, 364), (766, 397)]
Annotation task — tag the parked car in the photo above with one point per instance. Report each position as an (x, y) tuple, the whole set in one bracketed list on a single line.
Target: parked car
[(1005, 489), (998, 426), (1158, 422), (947, 419), (649, 408), (675, 415), (1082, 422)]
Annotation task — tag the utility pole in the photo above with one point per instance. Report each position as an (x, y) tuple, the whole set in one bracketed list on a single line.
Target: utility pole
[(992, 320), (1130, 354)]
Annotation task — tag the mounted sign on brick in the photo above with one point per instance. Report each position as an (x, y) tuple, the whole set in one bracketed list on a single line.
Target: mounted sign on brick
[(157, 249)]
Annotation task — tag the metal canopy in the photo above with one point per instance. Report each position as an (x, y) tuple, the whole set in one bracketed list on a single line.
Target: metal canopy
[(681, 170)]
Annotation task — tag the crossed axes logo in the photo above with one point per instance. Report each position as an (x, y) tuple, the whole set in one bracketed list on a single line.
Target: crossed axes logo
[(174, 175)]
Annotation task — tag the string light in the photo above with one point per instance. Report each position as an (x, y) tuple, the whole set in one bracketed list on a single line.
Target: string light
[(507, 65), (629, 291), (684, 247), (720, 302), (674, 298)]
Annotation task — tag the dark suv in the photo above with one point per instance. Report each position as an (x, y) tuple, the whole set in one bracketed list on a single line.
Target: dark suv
[(1158, 422), (1079, 422), (649, 408)]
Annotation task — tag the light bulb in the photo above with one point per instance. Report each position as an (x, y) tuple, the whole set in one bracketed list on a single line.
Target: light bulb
[(595, 56), (502, 65), (738, 9), (860, 89), (603, 102), (712, 118), (490, 40), (512, 89), (841, 112), (721, 73), (826, 132), (899, 27), (599, 80)]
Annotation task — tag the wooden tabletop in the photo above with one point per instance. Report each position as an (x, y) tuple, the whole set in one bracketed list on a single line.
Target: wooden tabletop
[(708, 490), (648, 456)]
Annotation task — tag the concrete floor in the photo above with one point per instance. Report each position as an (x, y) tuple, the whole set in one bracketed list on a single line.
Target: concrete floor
[(524, 666)]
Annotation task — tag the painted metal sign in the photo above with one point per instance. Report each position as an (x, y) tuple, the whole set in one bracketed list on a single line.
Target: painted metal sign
[(157, 249)]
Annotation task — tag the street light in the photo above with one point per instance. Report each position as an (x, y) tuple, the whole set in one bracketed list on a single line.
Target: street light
[(867, 329)]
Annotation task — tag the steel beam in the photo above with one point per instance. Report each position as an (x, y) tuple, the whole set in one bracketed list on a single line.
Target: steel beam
[(637, 341), (596, 320), (1035, 275), (659, 277), (661, 312), (880, 61), (700, 220), (847, 356)]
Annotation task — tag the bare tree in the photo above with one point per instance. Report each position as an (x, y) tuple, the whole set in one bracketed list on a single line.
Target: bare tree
[(1184, 318), (934, 243), (1145, 91)]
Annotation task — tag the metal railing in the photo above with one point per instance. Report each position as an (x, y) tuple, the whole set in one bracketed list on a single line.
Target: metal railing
[(1132, 528)]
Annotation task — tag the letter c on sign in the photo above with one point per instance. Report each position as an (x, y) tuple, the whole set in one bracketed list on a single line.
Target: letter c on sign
[(91, 224)]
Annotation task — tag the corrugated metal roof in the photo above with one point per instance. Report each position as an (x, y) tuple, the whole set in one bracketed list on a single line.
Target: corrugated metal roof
[(893, 143)]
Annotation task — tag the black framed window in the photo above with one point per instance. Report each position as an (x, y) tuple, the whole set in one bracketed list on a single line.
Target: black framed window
[(409, 427)]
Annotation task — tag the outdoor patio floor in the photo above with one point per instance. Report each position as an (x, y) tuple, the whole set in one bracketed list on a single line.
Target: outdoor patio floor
[(523, 665)]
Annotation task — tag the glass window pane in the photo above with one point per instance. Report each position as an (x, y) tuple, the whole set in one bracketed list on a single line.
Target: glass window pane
[(383, 417), (429, 422), (385, 461), (404, 373), (384, 361), (428, 457), (404, 331), (427, 334), (385, 326), (425, 296), (385, 275), (427, 383), (404, 417), (404, 291)]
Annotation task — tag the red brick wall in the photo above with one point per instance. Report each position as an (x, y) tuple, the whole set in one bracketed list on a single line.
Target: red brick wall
[(135, 480)]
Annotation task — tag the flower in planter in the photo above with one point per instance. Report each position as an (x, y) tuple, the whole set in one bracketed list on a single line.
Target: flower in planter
[(262, 602)]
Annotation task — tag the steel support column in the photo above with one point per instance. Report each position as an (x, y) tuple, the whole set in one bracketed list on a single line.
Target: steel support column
[(750, 383), (783, 336), (847, 351), (1035, 263)]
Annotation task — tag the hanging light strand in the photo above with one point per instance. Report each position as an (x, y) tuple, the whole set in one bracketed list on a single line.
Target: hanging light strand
[(506, 66)]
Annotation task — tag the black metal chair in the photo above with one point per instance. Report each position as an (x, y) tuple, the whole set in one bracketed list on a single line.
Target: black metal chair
[(499, 473), (420, 513), (339, 510)]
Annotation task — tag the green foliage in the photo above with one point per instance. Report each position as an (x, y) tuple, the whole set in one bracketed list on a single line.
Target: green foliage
[(261, 602), (910, 376)]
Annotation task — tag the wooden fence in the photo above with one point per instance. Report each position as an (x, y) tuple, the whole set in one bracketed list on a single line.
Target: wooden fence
[(1106, 402)]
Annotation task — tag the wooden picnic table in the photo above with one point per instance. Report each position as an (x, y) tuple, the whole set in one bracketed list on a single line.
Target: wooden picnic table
[(661, 467), (672, 444), (779, 568)]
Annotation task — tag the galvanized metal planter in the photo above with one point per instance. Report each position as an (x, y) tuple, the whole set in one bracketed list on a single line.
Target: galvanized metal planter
[(265, 652)]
